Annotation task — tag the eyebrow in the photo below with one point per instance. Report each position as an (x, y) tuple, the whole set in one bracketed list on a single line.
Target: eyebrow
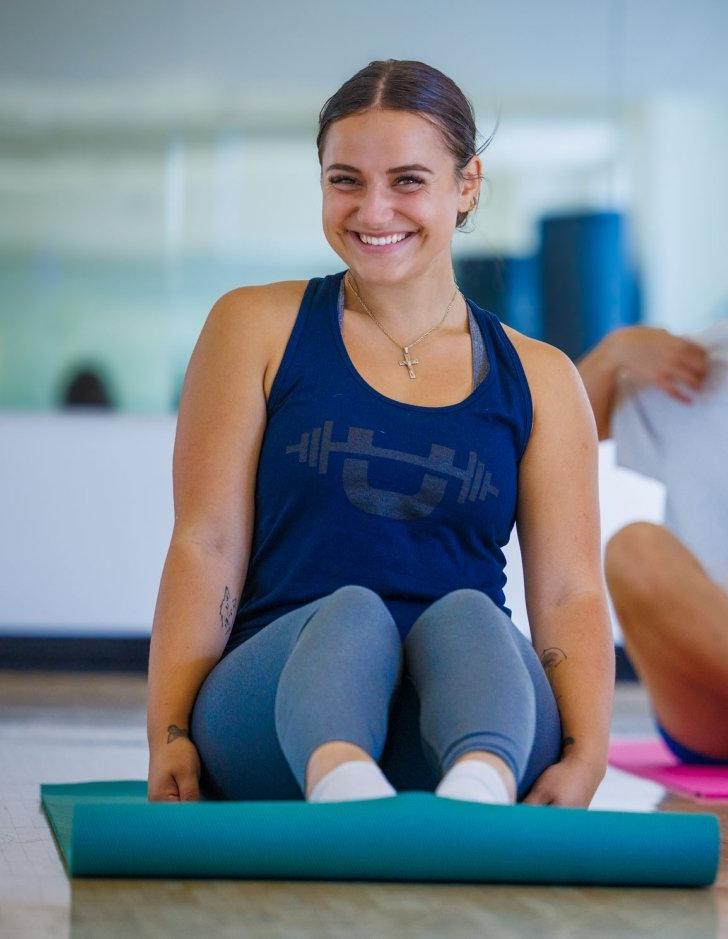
[(395, 169)]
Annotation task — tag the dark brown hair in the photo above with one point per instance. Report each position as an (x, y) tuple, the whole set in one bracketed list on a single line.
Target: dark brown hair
[(409, 85)]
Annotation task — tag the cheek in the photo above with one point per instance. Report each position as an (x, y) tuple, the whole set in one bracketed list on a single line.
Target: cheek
[(335, 209)]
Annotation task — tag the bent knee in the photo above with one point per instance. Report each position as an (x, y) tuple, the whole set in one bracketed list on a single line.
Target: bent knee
[(358, 593), (464, 604), (364, 606), (632, 557), (469, 595)]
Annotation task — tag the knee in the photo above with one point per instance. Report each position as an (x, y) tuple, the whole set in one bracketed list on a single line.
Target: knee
[(467, 599), (464, 605), (359, 596), (363, 608), (632, 558)]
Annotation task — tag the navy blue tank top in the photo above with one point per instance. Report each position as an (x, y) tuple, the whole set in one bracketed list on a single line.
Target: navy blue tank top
[(354, 487)]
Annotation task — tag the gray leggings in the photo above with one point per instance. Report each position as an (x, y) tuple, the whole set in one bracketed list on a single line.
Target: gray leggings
[(464, 678)]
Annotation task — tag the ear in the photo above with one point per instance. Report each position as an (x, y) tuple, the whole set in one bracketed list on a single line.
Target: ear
[(470, 187)]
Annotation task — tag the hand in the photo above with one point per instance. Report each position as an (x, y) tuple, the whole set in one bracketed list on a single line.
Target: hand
[(174, 772), (654, 355), (570, 782)]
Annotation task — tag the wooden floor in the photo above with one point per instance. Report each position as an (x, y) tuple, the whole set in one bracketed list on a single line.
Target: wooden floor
[(60, 727)]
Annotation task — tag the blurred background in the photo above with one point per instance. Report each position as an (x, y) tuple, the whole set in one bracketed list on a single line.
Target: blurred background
[(155, 155)]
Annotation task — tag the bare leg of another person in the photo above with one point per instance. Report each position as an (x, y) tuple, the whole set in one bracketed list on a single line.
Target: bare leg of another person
[(674, 619)]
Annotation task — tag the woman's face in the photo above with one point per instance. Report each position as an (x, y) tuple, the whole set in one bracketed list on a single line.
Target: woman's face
[(367, 189)]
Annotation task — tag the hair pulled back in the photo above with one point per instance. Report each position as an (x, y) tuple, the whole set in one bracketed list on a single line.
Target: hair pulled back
[(409, 85)]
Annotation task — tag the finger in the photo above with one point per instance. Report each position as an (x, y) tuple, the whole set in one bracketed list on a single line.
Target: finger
[(533, 798), (695, 349), (691, 373), (670, 386), (694, 357), (678, 393), (678, 371), (684, 372), (162, 790), (190, 794), (189, 790), (162, 795)]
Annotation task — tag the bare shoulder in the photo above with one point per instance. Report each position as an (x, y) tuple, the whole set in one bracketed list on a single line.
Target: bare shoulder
[(264, 303), (549, 371), (265, 315), (562, 413), (222, 415)]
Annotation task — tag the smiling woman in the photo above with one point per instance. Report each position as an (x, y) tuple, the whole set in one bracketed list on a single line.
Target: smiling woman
[(351, 527), (392, 220)]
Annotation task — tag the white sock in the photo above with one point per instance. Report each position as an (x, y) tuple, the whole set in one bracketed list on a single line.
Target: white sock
[(474, 781), (355, 779)]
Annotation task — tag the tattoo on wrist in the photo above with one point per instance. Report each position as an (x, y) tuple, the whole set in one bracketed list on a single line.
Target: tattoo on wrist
[(173, 731), (228, 608), (566, 742)]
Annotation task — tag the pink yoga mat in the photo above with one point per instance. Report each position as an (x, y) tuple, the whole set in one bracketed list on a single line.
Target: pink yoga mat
[(652, 759)]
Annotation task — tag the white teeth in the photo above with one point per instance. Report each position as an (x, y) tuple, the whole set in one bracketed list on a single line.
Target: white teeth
[(390, 239)]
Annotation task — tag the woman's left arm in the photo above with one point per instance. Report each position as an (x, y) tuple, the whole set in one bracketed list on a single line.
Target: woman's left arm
[(559, 536)]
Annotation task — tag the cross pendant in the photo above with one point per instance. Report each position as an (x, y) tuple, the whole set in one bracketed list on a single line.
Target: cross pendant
[(409, 362)]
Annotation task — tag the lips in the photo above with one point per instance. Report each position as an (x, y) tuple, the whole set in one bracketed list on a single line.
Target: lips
[(380, 249), (387, 234)]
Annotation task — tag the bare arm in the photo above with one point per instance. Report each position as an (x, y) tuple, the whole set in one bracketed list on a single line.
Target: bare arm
[(559, 534), (648, 354), (599, 370), (198, 595), (220, 426)]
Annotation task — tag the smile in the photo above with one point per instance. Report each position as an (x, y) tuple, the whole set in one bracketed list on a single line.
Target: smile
[(380, 245)]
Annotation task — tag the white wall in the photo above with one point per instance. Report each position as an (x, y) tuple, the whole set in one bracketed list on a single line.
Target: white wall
[(564, 49), (86, 514), (85, 518), (681, 207)]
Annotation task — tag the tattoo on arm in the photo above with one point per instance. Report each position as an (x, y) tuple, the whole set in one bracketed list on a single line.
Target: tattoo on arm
[(551, 659), (228, 608), (173, 731)]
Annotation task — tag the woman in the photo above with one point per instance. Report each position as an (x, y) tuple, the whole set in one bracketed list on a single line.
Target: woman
[(359, 495), (669, 582)]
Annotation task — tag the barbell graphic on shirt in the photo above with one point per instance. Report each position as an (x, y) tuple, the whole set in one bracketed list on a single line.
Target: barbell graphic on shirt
[(315, 446)]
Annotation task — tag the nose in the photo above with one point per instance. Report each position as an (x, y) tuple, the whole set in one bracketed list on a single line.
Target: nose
[(375, 207)]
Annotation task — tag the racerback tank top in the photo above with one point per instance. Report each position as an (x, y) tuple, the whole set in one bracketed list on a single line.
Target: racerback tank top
[(354, 487)]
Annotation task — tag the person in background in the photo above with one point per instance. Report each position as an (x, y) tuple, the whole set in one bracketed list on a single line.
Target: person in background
[(86, 388), (663, 398)]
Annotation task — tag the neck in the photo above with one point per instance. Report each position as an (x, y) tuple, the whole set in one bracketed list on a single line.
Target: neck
[(407, 309)]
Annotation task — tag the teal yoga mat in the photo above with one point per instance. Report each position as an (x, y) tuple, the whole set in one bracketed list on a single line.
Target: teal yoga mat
[(109, 829)]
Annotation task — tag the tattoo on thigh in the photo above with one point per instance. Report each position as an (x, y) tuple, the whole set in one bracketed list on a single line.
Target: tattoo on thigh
[(227, 611), (173, 731)]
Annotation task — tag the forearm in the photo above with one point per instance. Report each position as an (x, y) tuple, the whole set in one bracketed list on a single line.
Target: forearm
[(198, 596), (599, 370), (576, 648)]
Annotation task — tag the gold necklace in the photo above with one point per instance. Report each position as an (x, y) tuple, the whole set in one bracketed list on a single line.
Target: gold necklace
[(409, 362)]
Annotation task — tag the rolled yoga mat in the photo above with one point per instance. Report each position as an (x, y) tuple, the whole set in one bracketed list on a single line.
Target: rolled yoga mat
[(109, 829)]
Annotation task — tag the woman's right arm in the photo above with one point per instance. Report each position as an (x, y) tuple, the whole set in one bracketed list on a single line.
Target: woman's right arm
[(220, 425)]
